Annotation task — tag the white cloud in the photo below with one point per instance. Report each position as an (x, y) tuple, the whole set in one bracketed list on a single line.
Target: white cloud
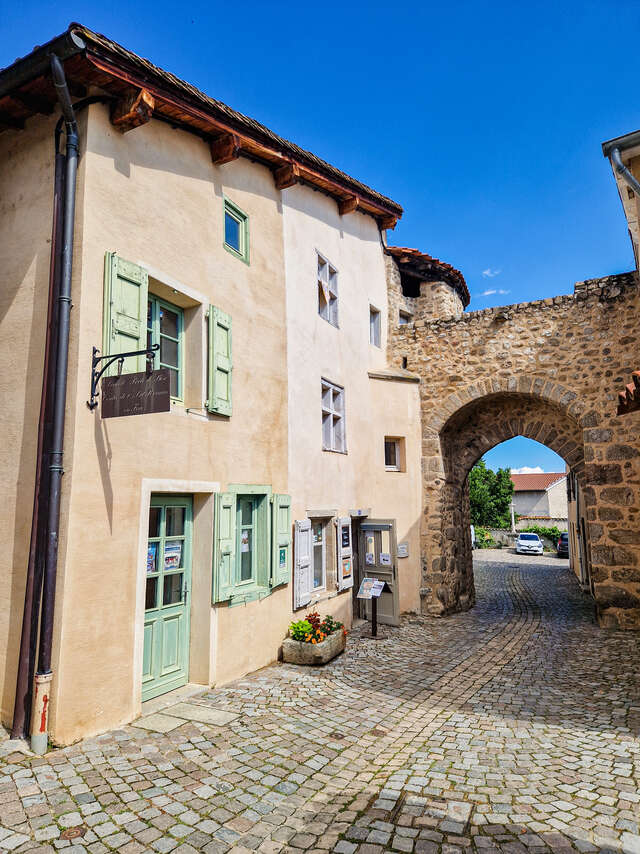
[(492, 291), (490, 274), (528, 470)]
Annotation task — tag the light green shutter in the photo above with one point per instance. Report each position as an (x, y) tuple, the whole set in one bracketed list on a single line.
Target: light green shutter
[(220, 362), (126, 288), (224, 547), (281, 540)]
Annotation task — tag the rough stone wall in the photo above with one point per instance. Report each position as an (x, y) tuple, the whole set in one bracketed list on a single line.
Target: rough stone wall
[(437, 300), (548, 370)]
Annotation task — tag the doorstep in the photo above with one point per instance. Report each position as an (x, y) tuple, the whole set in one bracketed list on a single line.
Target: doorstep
[(172, 710), (185, 692)]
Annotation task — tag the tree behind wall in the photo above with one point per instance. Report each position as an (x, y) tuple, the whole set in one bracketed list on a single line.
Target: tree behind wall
[(490, 495)]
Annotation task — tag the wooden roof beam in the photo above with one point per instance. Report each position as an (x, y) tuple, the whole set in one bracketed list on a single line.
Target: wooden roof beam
[(132, 111), (10, 122), (388, 221), (34, 103), (286, 176), (348, 205), (225, 148)]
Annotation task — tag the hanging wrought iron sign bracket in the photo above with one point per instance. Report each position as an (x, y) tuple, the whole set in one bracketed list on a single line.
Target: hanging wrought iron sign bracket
[(119, 358)]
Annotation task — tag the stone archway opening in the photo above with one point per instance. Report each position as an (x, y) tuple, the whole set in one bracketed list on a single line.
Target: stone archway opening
[(464, 438)]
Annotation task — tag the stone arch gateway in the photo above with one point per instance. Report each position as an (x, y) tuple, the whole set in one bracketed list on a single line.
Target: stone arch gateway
[(548, 370)]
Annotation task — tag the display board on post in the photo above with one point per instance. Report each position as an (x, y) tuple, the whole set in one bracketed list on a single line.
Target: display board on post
[(373, 588)]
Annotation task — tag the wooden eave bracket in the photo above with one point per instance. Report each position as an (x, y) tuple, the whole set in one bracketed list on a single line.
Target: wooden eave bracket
[(286, 176), (225, 148), (348, 205), (133, 111), (388, 221)]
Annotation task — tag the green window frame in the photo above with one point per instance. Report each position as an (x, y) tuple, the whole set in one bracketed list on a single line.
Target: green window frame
[(170, 338), (235, 225), (250, 515)]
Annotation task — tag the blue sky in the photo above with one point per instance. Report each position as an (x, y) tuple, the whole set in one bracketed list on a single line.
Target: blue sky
[(484, 120)]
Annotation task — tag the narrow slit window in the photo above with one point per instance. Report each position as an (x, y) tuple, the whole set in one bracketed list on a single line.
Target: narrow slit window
[(327, 291), (236, 231), (374, 326)]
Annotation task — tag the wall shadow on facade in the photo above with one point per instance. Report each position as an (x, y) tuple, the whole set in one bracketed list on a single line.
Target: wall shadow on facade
[(465, 437)]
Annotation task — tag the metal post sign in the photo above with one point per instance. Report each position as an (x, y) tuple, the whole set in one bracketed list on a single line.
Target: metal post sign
[(136, 394)]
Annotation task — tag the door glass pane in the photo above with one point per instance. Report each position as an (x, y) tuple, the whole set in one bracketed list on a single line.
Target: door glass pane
[(246, 545), (169, 352), (173, 382), (385, 542), (152, 557), (232, 232), (318, 580), (247, 512), (316, 527), (369, 550), (168, 322), (154, 521), (150, 594), (172, 592), (175, 521)]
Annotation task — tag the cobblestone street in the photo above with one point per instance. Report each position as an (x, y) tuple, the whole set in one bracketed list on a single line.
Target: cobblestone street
[(514, 727)]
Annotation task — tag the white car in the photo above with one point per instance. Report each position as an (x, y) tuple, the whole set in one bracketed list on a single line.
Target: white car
[(529, 544)]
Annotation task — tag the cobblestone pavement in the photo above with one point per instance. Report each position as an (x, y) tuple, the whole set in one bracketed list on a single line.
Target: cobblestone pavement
[(513, 727)]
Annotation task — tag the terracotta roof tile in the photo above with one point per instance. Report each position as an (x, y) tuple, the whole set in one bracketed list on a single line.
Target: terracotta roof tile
[(428, 266), (536, 481)]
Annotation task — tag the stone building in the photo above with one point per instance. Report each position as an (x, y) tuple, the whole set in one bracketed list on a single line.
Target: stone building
[(325, 395)]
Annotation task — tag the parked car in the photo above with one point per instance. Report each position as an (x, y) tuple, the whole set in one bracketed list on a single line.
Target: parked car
[(563, 545), (529, 544)]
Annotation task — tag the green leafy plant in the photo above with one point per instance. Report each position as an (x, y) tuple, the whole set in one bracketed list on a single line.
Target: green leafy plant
[(484, 540), (314, 630), (551, 533), (490, 495)]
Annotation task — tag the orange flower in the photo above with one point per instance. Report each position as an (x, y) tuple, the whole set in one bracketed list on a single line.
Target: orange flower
[(313, 641)]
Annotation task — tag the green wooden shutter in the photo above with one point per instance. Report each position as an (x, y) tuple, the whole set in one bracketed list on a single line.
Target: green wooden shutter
[(224, 547), (281, 540), (220, 362), (126, 289)]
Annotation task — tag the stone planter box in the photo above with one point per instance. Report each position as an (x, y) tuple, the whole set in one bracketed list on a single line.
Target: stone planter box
[(298, 652)]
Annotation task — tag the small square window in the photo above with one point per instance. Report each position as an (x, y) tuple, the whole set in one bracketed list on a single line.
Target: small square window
[(394, 456), (404, 317), (327, 291), (333, 428), (236, 231), (374, 326)]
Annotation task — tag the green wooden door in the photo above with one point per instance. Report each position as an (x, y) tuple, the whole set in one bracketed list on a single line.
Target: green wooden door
[(168, 582)]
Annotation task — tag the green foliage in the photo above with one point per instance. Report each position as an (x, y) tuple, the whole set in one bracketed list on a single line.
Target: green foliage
[(300, 629), (552, 533), (490, 495), (314, 630), (484, 540)]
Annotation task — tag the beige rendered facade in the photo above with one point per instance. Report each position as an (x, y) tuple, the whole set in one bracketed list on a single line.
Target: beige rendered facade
[(153, 202)]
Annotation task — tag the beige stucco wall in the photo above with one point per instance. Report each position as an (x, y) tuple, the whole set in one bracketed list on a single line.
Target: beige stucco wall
[(531, 503), (26, 198), (154, 196), (374, 408), (557, 498)]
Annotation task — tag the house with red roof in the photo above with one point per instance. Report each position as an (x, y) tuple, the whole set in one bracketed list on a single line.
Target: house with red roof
[(541, 495)]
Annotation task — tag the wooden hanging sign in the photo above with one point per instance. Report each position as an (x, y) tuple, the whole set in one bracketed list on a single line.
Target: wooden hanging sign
[(136, 394)]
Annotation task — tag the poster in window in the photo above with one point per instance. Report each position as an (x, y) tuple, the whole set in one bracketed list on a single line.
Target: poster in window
[(385, 559), (369, 559), (282, 558), (345, 537), (244, 541), (173, 555), (346, 567), (152, 557)]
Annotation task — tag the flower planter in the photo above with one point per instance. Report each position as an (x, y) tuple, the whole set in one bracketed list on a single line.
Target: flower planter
[(299, 652)]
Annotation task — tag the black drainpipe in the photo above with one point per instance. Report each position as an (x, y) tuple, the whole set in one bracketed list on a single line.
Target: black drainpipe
[(40, 727)]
